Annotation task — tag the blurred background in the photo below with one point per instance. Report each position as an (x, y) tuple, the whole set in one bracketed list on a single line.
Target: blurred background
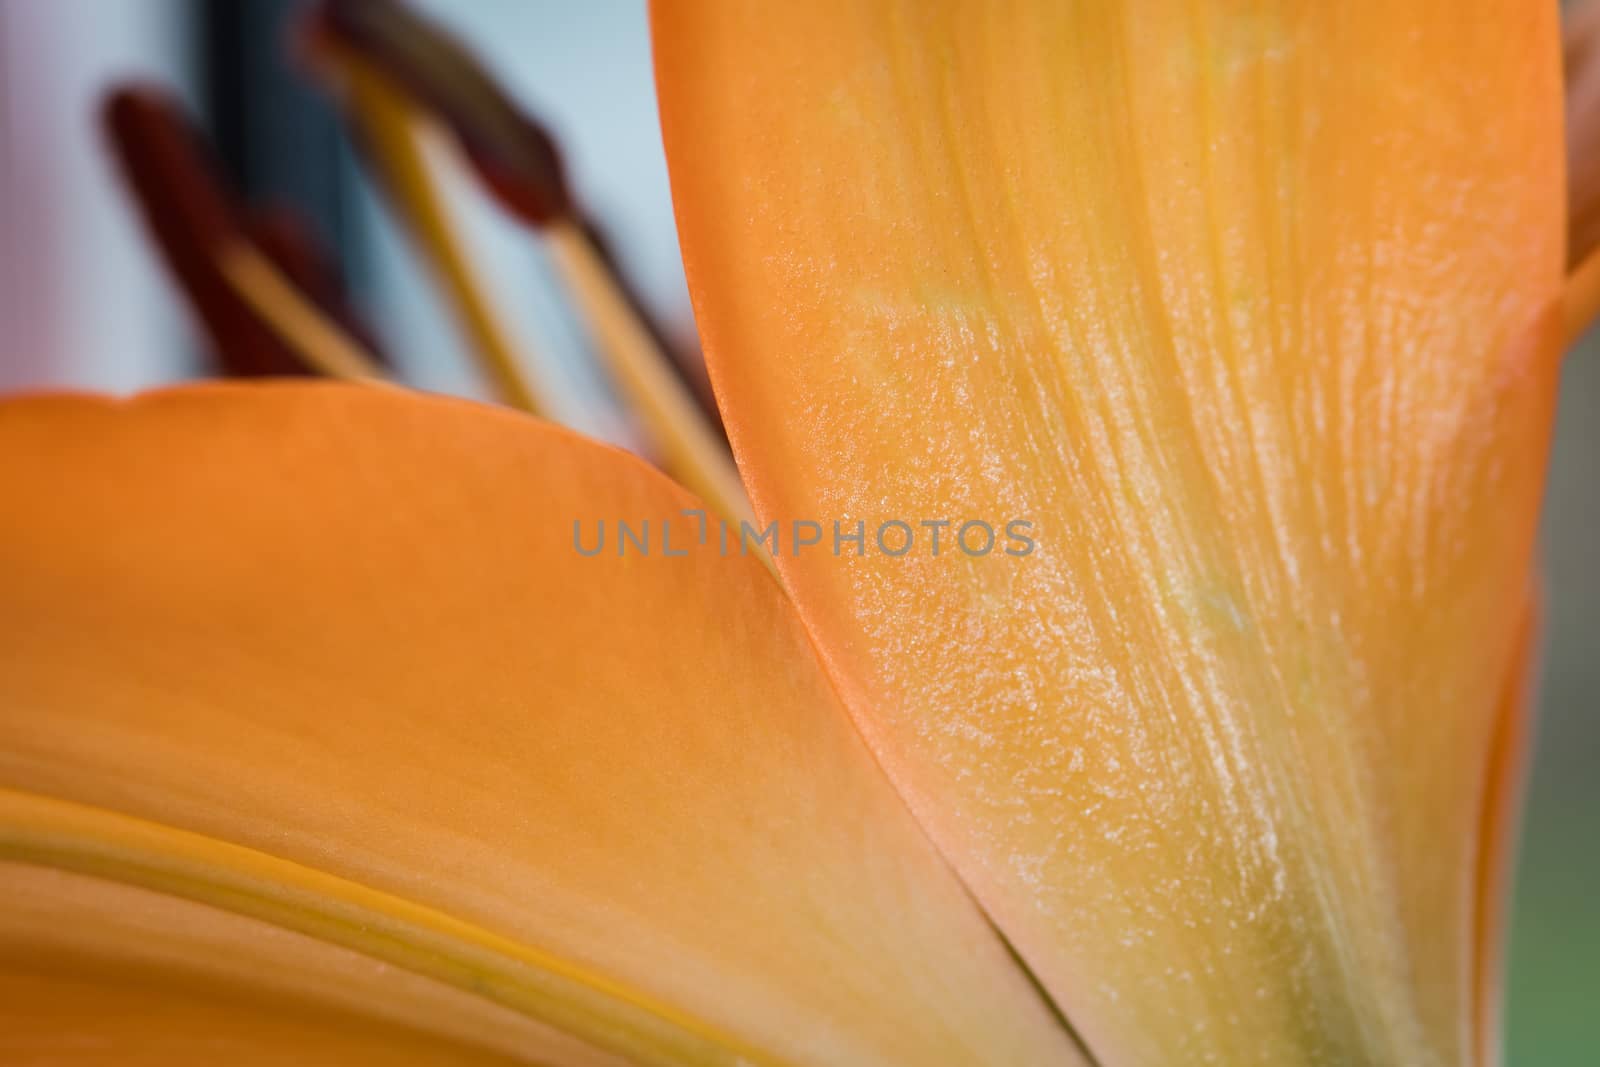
[(85, 302)]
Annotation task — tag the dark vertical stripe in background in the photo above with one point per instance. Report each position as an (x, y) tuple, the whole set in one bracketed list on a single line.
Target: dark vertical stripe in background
[(278, 135)]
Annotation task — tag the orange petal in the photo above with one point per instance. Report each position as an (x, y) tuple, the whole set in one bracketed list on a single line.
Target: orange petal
[(1251, 313), (96, 971), (76, 1020), (325, 657)]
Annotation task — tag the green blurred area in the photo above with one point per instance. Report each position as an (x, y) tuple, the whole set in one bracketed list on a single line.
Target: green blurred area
[(1553, 1016)]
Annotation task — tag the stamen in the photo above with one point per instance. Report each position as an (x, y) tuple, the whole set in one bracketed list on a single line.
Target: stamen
[(690, 449), (296, 322), (403, 144), (289, 245), (686, 358), (197, 225), (520, 165), (515, 157)]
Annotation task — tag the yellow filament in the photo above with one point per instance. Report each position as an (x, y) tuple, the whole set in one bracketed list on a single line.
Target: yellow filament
[(401, 136), (46, 831), (299, 325), (654, 391), (1580, 299), (401, 139)]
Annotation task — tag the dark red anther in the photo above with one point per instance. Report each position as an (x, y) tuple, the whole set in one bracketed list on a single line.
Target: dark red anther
[(512, 153), (193, 219), (516, 158)]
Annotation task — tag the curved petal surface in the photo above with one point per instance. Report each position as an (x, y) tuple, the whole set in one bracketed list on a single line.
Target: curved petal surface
[(1248, 310), (327, 657), (97, 971)]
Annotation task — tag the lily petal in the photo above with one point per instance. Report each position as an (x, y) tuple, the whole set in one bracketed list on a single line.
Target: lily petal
[(96, 971), (1251, 311), (325, 657)]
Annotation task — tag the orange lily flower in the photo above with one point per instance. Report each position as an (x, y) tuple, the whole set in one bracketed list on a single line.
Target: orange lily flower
[(322, 733)]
